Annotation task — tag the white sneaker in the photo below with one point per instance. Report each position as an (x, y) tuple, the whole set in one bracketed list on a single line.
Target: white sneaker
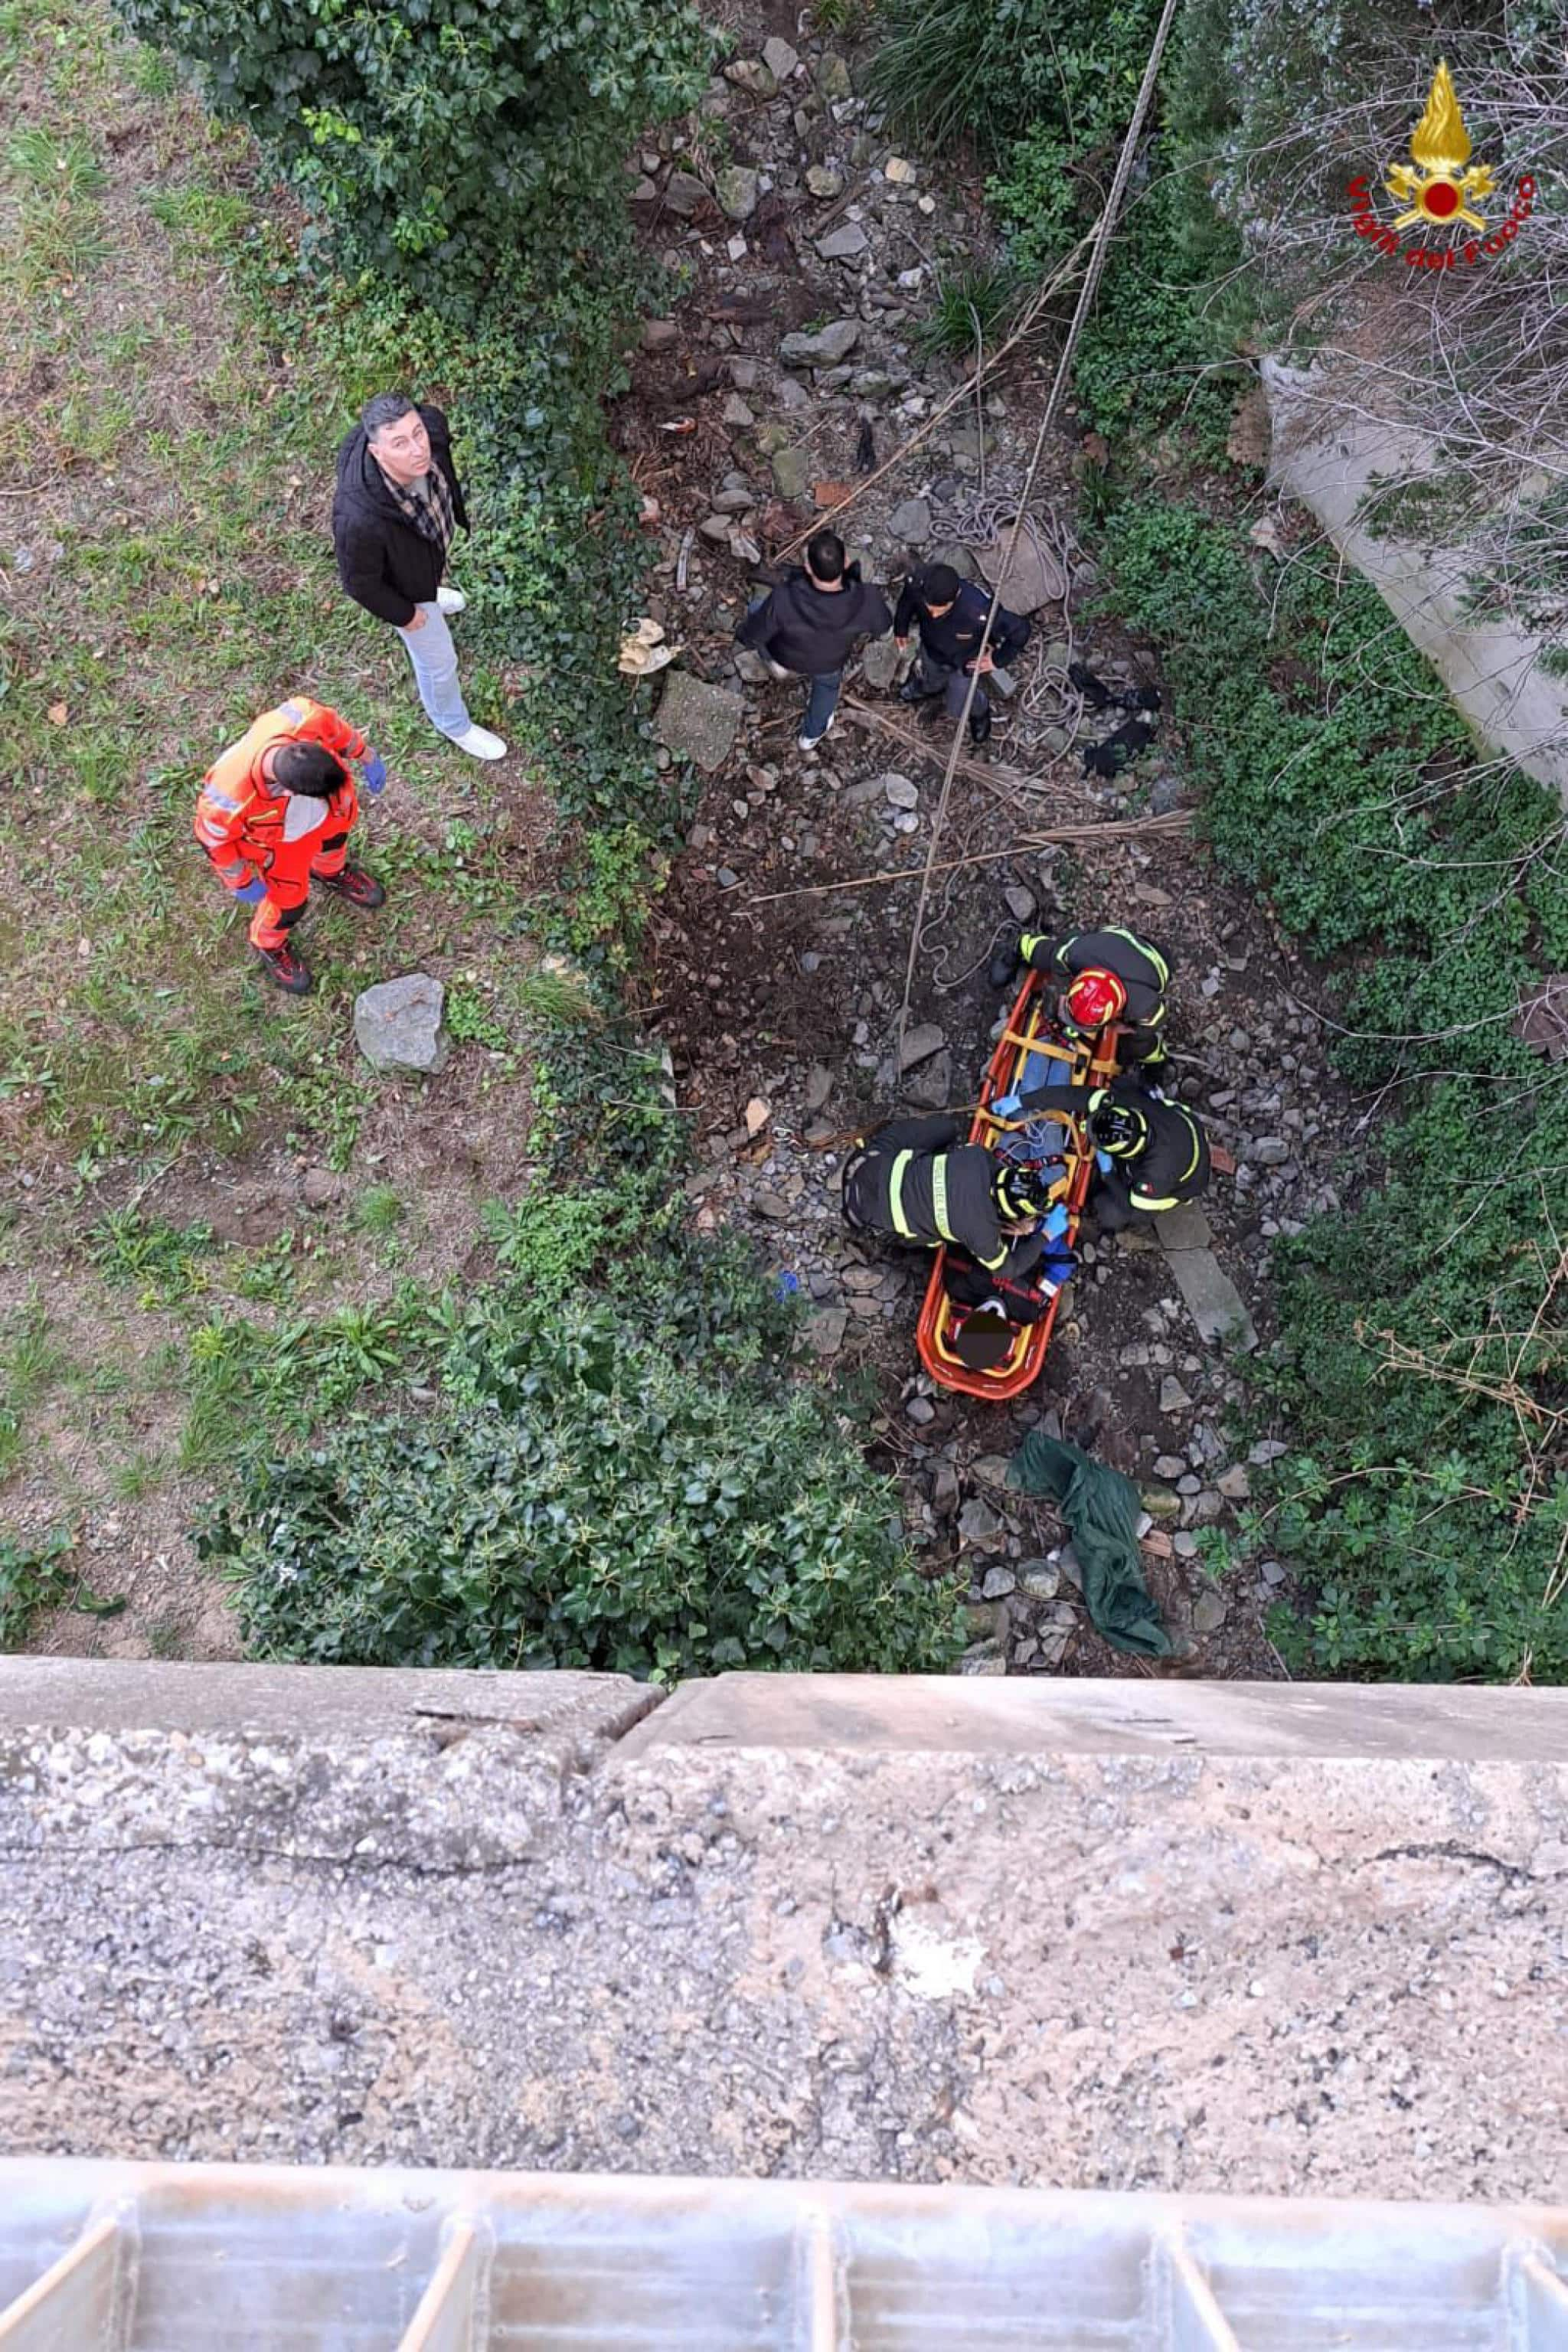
[(481, 743), (451, 600), (810, 743)]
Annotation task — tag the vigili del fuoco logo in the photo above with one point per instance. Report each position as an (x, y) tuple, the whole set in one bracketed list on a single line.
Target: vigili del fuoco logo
[(1444, 191)]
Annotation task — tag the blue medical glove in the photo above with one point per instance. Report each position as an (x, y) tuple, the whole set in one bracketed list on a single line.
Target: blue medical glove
[(375, 771), (1007, 1106), (252, 893), (1102, 1161), (1056, 1223)]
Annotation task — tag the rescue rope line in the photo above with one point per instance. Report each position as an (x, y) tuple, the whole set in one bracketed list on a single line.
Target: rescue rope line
[(1100, 239)]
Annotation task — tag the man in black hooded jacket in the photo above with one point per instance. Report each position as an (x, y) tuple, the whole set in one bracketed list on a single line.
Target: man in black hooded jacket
[(397, 504), (808, 626)]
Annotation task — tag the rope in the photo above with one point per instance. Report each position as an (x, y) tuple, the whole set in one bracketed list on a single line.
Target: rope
[(1099, 241)]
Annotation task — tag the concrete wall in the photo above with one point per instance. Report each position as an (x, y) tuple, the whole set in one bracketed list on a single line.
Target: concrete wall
[(1207, 1937)]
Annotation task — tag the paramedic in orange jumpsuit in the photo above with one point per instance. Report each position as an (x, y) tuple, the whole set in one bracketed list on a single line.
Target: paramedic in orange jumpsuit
[(275, 815)]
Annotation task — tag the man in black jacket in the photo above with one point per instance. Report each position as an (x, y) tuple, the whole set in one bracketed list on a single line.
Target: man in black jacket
[(808, 626), (398, 503), (951, 616)]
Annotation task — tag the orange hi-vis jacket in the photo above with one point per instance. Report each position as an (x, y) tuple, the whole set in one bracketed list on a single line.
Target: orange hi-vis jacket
[(242, 821)]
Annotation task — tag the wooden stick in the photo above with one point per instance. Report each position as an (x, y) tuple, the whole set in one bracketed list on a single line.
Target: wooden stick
[(1176, 821)]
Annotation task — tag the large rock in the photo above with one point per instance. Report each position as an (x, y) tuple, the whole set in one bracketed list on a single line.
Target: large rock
[(397, 1025), (779, 57), (683, 194), (737, 188), (1033, 578), (919, 1043), (833, 343), (931, 1086), (698, 722), (846, 243), (911, 521), (879, 663), (755, 75), (834, 78), (791, 472)]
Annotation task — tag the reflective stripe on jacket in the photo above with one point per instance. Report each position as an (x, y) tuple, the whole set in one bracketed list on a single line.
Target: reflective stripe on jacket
[(915, 1180)]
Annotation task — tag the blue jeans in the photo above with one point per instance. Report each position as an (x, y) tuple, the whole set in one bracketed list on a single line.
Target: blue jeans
[(823, 700), (434, 659)]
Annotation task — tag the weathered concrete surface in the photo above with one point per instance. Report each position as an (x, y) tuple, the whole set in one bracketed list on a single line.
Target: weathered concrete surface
[(1332, 451), (1068, 1960), (1211, 1297)]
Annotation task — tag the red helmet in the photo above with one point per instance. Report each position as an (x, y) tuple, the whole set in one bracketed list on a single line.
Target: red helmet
[(1094, 997)]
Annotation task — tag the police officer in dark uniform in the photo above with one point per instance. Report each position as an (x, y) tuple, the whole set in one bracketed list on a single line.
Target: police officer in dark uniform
[(951, 615), (1107, 975)]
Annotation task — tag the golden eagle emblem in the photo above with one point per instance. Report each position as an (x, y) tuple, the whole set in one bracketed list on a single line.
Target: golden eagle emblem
[(1440, 189)]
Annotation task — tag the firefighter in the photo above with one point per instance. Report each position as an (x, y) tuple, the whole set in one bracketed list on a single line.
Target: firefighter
[(988, 1308), (1108, 976), (274, 815), (915, 1182), (1149, 1154)]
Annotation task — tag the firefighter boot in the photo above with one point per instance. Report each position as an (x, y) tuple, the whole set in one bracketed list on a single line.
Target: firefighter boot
[(1005, 959), (353, 883), (286, 970)]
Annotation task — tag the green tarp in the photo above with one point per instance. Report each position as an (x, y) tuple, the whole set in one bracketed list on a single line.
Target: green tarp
[(1102, 1509)]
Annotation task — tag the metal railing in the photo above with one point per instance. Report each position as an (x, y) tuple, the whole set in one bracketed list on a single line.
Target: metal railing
[(213, 2258)]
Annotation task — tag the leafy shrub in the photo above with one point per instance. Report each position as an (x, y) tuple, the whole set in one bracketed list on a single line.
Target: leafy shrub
[(436, 139), (585, 1497), (1423, 1362)]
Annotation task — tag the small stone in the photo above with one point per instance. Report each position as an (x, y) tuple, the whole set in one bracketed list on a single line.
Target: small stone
[(684, 194), (1267, 1450), (773, 1204), (979, 1525), (824, 181), (659, 334), (1039, 1580), (834, 78), (1271, 1572), (899, 793), (835, 343), (825, 1331), (758, 1114), (901, 173), (999, 1582), (1161, 1502), (1020, 903), (931, 1086), (911, 521), (984, 1658), (1267, 1151), (320, 1188), (943, 1489), (920, 1410), (818, 1085), (736, 412), (1169, 1465), (1235, 1485), (726, 878), (1208, 1612), (738, 188), (397, 1025), (780, 60), (755, 75), (745, 374), (737, 248), (1173, 1397), (846, 243), (919, 1043)]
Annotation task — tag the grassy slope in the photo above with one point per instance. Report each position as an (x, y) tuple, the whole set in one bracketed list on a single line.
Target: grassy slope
[(165, 459)]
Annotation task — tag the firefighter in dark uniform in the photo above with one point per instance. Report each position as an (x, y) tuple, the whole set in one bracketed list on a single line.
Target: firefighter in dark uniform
[(915, 1182), (1149, 1154), (1106, 976)]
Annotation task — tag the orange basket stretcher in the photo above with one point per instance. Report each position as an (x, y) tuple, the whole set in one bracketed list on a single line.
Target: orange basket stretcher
[(1031, 1052)]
